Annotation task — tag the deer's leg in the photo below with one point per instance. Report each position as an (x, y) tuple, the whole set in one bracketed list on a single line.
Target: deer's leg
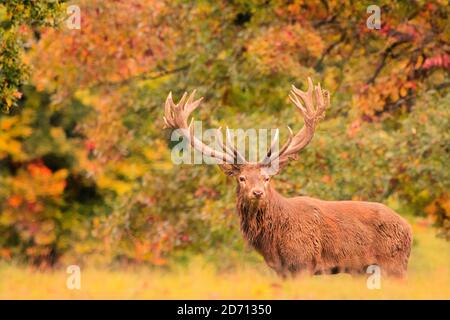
[(394, 270), (277, 266), (280, 271)]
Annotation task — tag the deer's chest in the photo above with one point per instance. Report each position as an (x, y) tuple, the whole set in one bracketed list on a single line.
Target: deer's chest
[(265, 241)]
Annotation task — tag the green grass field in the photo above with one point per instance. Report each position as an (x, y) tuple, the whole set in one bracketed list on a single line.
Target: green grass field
[(428, 278)]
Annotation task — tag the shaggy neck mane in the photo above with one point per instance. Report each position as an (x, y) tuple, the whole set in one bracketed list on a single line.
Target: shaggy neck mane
[(260, 219)]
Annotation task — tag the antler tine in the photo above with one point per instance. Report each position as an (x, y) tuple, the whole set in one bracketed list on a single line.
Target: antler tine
[(274, 143), (168, 111), (319, 96), (167, 104), (288, 142), (176, 117), (306, 96), (240, 159), (309, 96), (270, 155), (297, 103), (323, 100), (222, 146), (191, 129), (269, 152), (191, 105), (181, 103), (191, 97)]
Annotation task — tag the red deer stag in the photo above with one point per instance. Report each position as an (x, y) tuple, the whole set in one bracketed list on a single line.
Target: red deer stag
[(303, 234)]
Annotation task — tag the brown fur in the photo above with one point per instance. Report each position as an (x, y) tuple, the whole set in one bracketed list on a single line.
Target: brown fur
[(306, 234)]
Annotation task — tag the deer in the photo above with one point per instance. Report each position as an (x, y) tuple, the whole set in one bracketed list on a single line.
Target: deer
[(302, 235)]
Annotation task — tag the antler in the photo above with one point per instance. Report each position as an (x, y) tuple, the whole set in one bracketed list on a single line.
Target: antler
[(315, 102), (176, 116)]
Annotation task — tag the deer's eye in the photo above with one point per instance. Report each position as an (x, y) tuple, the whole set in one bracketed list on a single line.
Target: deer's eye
[(266, 179), (241, 178)]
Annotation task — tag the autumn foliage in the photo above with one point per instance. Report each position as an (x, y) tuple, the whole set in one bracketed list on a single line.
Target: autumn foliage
[(85, 168)]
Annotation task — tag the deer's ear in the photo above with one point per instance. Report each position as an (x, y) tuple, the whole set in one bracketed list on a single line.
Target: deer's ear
[(229, 169)]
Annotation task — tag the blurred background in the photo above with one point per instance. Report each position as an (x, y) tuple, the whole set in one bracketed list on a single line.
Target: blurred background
[(86, 176)]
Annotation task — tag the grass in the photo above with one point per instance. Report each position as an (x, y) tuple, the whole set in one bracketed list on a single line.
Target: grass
[(428, 278)]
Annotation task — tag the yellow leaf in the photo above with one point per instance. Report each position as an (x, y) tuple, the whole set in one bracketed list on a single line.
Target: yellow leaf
[(403, 92), (118, 186)]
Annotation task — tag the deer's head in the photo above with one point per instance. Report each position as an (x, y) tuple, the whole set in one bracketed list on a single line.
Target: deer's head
[(253, 178), (253, 182)]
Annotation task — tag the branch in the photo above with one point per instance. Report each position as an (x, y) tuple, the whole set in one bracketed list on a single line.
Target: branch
[(144, 76), (328, 50), (386, 54), (442, 85)]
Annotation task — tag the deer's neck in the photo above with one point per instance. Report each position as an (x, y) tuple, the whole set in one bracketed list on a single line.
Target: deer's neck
[(260, 220)]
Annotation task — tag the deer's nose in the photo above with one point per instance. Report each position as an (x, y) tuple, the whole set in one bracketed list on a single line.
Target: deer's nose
[(258, 193)]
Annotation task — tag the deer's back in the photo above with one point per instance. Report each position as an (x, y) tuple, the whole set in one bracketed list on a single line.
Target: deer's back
[(345, 234)]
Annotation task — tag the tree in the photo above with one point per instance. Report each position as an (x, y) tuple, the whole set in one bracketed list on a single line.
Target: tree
[(384, 138), (18, 18)]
